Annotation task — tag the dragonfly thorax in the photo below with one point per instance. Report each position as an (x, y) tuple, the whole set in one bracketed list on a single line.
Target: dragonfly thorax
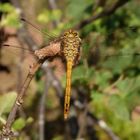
[(70, 45)]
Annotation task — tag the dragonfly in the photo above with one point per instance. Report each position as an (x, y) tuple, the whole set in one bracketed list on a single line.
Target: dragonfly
[(70, 44), (70, 48)]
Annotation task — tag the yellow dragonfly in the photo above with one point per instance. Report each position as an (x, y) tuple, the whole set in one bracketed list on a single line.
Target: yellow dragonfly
[(70, 44)]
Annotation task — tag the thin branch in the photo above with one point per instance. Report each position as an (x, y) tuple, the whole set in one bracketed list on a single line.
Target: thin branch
[(41, 114), (19, 100), (82, 124), (50, 78), (53, 6), (7, 128), (91, 120), (106, 12), (50, 51), (102, 124), (56, 84), (108, 130)]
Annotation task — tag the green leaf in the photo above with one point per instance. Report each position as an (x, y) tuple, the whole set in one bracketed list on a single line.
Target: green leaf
[(125, 86), (118, 63), (44, 16), (119, 107), (19, 124), (47, 16), (102, 78), (41, 86), (132, 99), (76, 8), (59, 137), (56, 14), (79, 73), (97, 96), (6, 7), (11, 20), (29, 120), (6, 102)]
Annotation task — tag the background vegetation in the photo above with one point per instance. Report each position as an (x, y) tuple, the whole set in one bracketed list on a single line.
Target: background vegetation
[(105, 83)]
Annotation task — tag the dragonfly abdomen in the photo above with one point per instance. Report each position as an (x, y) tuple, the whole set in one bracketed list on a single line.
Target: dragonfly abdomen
[(68, 89)]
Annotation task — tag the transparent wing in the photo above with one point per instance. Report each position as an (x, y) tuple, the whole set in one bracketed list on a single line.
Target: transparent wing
[(16, 60), (14, 66), (8, 51), (48, 36)]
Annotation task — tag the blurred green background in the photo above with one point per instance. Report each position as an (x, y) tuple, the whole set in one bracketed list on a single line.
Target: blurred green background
[(105, 83)]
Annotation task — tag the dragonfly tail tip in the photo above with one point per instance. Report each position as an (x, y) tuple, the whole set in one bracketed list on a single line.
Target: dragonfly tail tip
[(65, 117)]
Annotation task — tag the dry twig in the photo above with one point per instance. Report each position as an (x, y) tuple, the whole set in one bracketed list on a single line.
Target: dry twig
[(7, 128)]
